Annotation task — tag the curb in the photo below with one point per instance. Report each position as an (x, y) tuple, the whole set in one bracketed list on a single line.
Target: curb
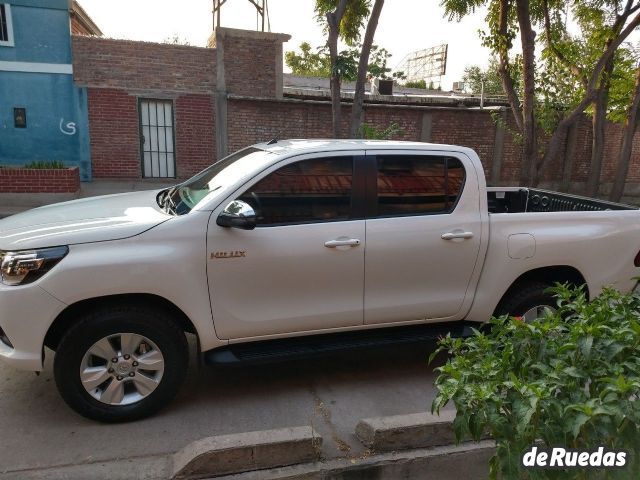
[(468, 461), (402, 432), (227, 454), (420, 445)]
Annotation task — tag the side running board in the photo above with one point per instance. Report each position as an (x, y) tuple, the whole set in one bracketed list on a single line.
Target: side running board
[(314, 345)]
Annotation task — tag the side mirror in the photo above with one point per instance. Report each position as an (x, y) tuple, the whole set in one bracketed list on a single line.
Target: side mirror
[(238, 214)]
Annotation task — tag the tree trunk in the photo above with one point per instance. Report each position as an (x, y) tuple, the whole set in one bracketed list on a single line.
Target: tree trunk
[(631, 125), (333, 21), (503, 64), (569, 154), (363, 64), (599, 120), (528, 168)]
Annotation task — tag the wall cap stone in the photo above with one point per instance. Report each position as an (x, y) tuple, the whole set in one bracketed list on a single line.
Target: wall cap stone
[(222, 32)]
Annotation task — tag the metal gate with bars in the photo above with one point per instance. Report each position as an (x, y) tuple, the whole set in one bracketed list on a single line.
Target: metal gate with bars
[(157, 138)]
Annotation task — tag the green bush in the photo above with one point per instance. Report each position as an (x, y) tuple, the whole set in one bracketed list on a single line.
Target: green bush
[(416, 84), (374, 133), (570, 379), (41, 165)]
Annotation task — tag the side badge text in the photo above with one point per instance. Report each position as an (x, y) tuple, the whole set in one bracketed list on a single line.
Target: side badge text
[(231, 254)]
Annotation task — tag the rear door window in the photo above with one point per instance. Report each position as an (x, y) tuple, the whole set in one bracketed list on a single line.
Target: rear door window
[(417, 184)]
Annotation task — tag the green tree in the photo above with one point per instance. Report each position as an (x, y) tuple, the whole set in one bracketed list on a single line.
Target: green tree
[(508, 19), (600, 24), (318, 64), (308, 63), (344, 19), (341, 19), (632, 121), (358, 98), (474, 76)]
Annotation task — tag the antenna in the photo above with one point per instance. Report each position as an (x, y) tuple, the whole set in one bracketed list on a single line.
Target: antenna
[(262, 13), (217, 4)]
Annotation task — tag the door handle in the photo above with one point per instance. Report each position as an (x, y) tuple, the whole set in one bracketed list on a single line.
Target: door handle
[(454, 235), (351, 242)]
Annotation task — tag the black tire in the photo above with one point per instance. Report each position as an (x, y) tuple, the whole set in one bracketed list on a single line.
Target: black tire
[(522, 299), (154, 324)]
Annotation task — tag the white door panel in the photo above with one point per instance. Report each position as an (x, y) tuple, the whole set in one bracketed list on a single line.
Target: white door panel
[(287, 280), (412, 273), (302, 267), (419, 265)]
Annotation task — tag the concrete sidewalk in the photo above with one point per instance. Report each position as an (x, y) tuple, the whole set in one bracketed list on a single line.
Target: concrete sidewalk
[(12, 203)]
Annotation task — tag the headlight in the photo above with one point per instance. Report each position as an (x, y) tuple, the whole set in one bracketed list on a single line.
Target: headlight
[(26, 266)]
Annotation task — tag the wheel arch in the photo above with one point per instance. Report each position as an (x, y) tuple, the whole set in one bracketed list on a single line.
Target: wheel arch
[(550, 275), (69, 316)]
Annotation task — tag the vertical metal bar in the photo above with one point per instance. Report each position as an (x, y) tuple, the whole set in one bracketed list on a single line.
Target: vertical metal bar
[(154, 145), (173, 142), (164, 127), (158, 139), (141, 133)]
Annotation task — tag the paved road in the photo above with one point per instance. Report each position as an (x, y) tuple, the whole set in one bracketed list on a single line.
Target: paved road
[(37, 430)]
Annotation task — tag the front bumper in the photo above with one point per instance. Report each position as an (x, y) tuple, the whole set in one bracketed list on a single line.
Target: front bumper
[(26, 313)]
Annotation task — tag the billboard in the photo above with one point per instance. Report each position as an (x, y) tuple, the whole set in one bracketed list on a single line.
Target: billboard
[(429, 64)]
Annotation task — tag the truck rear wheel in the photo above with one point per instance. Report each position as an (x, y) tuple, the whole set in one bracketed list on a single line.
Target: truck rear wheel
[(121, 364), (528, 302)]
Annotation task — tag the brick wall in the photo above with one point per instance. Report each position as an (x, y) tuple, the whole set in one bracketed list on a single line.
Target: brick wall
[(119, 72), (33, 180), (195, 132), (252, 121), (130, 65), (114, 133), (251, 61), (249, 67), (115, 137), (468, 128)]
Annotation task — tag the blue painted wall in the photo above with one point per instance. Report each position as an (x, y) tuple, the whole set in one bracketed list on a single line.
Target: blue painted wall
[(57, 118)]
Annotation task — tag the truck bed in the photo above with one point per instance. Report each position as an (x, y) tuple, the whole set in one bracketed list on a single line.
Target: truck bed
[(521, 200)]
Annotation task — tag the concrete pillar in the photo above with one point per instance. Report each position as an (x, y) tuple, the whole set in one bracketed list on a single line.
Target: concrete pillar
[(427, 126), (236, 62), (222, 127), (279, 70)]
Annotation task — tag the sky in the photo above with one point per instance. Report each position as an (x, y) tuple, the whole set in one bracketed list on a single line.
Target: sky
[(405, 26)]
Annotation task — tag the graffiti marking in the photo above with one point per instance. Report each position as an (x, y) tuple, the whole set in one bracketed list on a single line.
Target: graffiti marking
[(69, 128)]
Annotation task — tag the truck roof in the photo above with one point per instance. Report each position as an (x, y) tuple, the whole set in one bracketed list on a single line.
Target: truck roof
[(327, 145)]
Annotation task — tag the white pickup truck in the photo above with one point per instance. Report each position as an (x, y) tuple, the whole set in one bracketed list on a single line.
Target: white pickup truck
[(283, 249)]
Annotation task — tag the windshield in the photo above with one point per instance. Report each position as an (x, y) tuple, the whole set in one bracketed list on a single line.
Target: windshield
[(183, 197)]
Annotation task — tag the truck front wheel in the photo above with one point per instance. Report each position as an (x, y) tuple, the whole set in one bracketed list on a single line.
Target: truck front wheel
[(528, 302), (121, 364)]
